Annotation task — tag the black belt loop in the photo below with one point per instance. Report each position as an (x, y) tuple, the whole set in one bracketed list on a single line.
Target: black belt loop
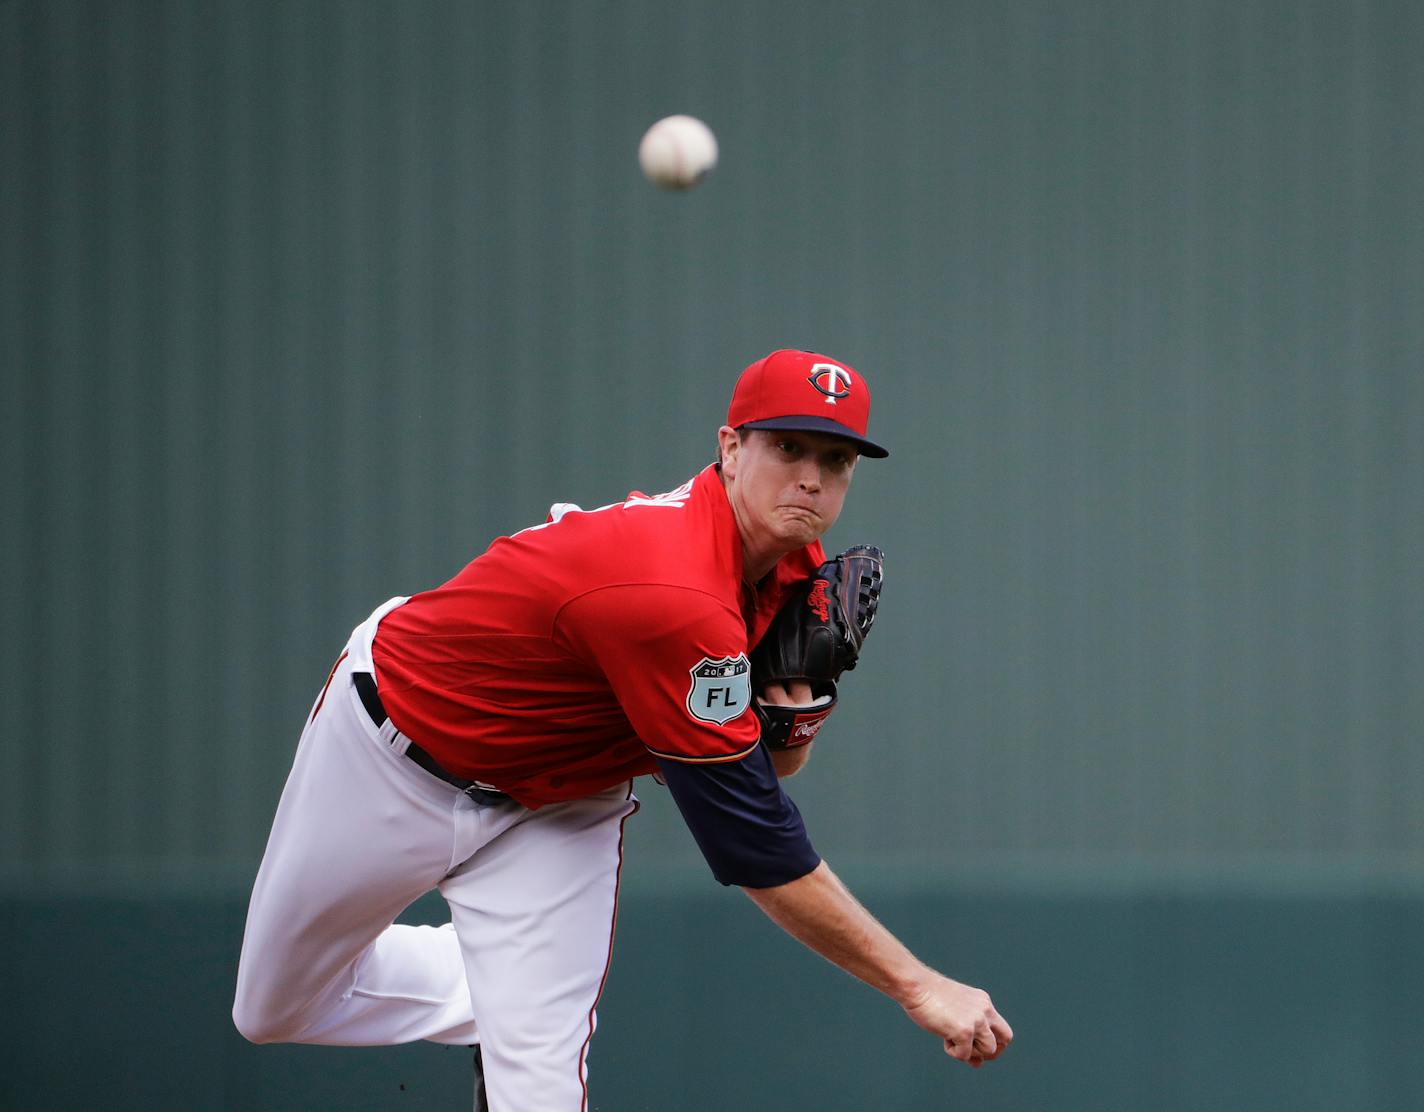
[(365, 685)]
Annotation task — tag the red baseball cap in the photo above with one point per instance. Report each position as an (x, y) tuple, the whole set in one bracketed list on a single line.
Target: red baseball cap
[(804, 392)]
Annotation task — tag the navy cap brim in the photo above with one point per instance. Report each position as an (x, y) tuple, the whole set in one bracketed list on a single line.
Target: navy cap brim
[(821, 424)]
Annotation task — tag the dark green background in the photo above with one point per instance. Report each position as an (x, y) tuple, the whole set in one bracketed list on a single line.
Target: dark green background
[(302, 303)]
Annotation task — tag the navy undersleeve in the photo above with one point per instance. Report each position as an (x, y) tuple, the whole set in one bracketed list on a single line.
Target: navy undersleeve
[(747, 827)]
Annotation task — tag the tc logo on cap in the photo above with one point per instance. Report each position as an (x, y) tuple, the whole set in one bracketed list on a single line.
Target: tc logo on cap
[(771, 394), (830, 380)]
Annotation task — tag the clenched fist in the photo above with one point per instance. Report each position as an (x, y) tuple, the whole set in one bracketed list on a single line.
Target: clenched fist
[(964, 1017)]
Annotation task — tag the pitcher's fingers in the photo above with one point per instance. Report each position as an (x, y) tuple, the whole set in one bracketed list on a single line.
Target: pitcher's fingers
[(797, 693), (775, 693), (961, 1048), (985, 1044), (1002, 1031)]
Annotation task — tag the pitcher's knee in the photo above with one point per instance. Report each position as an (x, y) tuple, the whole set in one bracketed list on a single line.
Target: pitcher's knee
[(257, 1024)]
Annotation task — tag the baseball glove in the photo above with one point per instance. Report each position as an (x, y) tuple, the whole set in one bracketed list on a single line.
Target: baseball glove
[(816, 636)]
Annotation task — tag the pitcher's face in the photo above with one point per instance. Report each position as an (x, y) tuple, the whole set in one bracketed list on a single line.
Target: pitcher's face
[(786, 488)]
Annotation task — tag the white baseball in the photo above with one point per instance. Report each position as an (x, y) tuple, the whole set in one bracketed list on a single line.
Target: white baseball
[(677, 152)]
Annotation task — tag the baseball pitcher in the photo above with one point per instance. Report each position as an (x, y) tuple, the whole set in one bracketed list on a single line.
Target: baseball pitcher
[(482, 739)]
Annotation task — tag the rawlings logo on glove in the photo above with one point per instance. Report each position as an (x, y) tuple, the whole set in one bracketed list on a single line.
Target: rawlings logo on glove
[(816, 636), (818, 601)]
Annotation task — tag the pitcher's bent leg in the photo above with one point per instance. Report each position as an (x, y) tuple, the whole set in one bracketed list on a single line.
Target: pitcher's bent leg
[(360, 833)]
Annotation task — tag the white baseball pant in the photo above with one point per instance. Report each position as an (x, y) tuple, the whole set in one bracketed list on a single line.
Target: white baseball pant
[(362, 831)]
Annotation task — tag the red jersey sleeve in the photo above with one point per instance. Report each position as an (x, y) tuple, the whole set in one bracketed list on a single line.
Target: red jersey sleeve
[(676, 659)]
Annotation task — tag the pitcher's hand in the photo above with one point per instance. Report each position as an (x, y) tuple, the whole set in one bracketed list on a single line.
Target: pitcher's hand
[(964, 1017)]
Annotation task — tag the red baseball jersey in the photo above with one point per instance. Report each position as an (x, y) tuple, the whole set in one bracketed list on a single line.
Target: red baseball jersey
[(562, 659)]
